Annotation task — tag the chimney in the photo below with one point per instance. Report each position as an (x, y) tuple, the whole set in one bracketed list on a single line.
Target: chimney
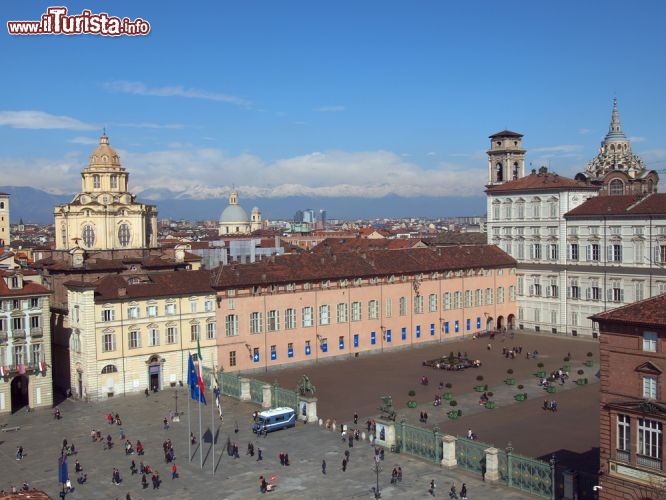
[(122, 291)]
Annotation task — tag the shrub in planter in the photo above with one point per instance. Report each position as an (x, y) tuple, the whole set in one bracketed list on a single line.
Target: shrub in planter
[(540, 364), (412, 404), (510, 371), (453, 402), (580, 372), (479, 378), (520, 386), (412, 393), (589, 354), (448, 385), (566, 359), (489, 394)]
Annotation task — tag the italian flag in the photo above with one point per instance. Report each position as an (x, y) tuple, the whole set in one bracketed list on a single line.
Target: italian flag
[(200, 371), (3, 371)]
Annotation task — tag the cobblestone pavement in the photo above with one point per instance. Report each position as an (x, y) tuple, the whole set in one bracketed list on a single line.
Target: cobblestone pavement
[(307, 445)]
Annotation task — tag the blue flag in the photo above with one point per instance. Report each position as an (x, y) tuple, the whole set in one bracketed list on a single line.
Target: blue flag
[(193, 382)]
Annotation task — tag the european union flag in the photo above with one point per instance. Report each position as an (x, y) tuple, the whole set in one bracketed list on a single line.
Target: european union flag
[(193, 382)]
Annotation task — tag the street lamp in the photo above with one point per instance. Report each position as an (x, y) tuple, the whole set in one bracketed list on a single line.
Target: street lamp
[(377, 469)]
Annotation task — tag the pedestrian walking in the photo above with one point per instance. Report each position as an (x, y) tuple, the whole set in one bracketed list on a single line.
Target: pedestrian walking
[(259, 451), (19, 453), (463, 492), (323, 466), (355, 418), (432, 487), (344, 465), (174, 471)]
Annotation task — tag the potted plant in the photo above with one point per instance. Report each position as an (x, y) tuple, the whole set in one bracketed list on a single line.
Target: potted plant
[(510, 380), (581, 380), (520, 387), (448, 395), (588, 361), (541, 373)]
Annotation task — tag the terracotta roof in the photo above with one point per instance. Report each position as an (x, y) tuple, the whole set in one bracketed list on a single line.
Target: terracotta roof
[(149, 285), (337, 245), (648, 312), (29, 288), (350, 265), (539, 181), (458, 238), (652, 204)]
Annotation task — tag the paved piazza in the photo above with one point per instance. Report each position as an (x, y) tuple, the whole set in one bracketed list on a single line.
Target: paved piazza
[(343, 387)]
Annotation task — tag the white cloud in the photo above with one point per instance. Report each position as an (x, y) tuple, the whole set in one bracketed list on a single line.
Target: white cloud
[(187, 172), (138, 88), (84, 140), (565, 148), (584, 131), (41, 120), (330, 109), (637, 139)]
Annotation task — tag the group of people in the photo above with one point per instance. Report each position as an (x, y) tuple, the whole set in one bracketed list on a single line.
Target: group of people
[(550, 405), (396, 475), (113, 419), (169, 453), (423, 417)]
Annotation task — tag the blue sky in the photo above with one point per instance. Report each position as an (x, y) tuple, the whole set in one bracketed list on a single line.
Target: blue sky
[(329, 99)]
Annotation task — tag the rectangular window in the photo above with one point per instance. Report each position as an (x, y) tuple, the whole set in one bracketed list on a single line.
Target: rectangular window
[(273, 353), (151, 311), (34, 322), (17, 324), (457, 300), (208, 306), (273, 320), (154, 336), (108, 342), (615, 253), (650, 387), (446, 301), (108, 315), (356, 311), (133, 312), (624, 433), (231, 326), (418, 304), (500, 295), (256, 323), (402, 306), (232, 358), (512, 293), (373, 309), (650, 341), (432, 302), (307, 317), (389, 307), (193, 306), (134, 339), (593, 252), (342, 313), (535, 251), (195, 331), (649, 442), (553, 251), (171, 335), (573, 251), (290, 319), (638, 291), (489, 296), (324, 315), (34, 302), (211, 330), (35, 353), (468, 298), (478, 297), (170, 309)]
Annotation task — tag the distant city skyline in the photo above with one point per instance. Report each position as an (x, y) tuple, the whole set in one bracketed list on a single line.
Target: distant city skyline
[(353, 105)]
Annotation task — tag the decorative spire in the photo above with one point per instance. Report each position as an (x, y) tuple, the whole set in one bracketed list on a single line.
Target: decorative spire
[(615, 129), (104, 139)]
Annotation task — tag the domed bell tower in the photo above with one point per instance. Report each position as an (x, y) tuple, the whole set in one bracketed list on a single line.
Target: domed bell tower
[(506, 157)]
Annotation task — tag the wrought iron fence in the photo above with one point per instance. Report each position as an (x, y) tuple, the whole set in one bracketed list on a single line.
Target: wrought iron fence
[(284, 397), (471, 454), (422, 443), (230, 384), (257, 391), (530, 474)]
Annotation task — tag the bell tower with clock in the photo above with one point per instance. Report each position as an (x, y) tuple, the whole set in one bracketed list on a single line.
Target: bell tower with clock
[(105, 215)]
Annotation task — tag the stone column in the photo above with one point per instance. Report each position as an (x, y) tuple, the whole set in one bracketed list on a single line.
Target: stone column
[(245, 389), (492, 464), (449, 451), (267, 403), (310, 405)]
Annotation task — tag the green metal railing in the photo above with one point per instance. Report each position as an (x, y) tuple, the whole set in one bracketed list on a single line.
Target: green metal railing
[(422, 443), (284, 397), (257, 391)]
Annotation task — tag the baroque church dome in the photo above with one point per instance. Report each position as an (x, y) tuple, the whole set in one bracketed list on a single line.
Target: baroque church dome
[(234, 213)]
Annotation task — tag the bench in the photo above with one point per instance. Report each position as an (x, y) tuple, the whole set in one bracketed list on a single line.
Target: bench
[(10, 429)]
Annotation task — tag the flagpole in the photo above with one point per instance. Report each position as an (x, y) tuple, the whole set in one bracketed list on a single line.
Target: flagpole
[(212, 413), (189, 426), (200, 441)]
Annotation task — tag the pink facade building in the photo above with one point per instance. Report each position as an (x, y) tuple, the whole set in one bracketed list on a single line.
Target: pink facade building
[(305, 308)]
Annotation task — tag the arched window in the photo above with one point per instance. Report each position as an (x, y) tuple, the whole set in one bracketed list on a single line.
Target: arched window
[(650, 186), (109, 369), (114, 182), (124, 234), (63, 234), (96, 182), (616, 187), (88, 235), (499, 173)]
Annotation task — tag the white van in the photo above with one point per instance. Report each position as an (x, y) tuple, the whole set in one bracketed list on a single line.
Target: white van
[(274, 420)]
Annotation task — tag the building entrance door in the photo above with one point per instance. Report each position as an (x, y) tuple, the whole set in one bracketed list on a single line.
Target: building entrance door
[(155, 382), (20, 394)]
